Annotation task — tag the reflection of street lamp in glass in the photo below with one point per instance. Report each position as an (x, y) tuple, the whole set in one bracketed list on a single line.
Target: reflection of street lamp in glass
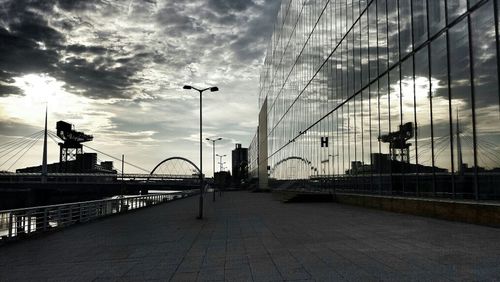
[(333, 162), (212, 89), (213, 158)]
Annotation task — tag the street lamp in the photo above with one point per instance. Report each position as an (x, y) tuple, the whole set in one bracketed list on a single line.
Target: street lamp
[(222, 168), (213, 158), (212, 89), (220, 161)]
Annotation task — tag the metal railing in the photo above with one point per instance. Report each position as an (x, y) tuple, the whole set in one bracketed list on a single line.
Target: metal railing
[(19, 223)]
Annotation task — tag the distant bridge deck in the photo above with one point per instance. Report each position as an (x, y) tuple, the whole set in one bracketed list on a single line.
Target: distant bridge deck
[(36, 177), (250, 237)]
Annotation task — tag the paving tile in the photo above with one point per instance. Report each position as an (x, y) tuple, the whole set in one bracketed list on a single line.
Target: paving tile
[(250, 237), (184, 276)]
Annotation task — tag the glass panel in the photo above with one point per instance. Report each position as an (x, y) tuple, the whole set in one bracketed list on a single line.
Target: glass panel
[(350, 64), (374, 133), (461, 104), (372, 23), (405, 27), (366, 139), (423, 123), (456, 8), (394, 122), (382, 35), (365, 71), (357, 57), (407, 152), (393, 35), (351, 133), (486, 100), (383, 102), (437, 16), (419, 22), (336, 155), (443, 146)]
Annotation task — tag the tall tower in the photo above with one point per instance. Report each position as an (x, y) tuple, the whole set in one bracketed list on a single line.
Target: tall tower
[(459, 149), (44, 158)]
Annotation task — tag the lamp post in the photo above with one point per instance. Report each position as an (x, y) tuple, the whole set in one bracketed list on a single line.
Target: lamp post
[(220, 161), (212, 89), (333, 167), (213, 159)]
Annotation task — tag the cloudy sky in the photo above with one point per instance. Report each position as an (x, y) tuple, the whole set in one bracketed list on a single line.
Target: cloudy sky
[(116, 68)]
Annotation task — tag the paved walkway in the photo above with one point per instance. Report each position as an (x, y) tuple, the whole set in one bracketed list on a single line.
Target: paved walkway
[(250, 237)]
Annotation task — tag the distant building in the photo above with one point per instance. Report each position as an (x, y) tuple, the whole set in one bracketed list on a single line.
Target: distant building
[(84, 163), (239, 164), (222, 179)]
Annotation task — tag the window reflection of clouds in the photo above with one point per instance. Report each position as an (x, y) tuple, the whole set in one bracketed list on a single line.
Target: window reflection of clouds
[(445, 100)]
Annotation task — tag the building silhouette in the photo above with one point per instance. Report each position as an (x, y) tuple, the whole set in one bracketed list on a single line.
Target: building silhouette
[(239, 164)]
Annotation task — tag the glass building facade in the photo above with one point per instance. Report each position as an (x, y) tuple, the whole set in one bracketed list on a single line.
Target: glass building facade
[(395, 97)]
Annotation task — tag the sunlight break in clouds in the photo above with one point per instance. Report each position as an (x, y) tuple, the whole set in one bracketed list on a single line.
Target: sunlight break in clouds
[(115, 69)]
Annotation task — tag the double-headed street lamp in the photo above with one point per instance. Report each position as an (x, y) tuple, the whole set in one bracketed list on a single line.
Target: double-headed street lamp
[(220, 161), (213, 158), (222, 166), (212, 89)]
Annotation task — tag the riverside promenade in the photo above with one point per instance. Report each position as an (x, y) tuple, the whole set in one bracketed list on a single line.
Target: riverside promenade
[(251, 237)]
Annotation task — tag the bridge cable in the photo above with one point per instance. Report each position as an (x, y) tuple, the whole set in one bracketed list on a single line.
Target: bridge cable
[(18, 145), (18, 142), (17, 139), (32, 142), (53, 139), (22, 155), (118, 159)]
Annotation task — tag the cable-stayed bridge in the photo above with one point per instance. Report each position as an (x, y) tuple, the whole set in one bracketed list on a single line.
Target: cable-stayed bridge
[(81, 175)]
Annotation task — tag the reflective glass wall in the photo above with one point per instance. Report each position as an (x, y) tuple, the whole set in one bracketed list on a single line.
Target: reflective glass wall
[(386, 96)]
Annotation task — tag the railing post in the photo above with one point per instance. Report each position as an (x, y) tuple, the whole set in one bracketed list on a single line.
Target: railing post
[(28, 215), (11, 219), (59, 218), (80, 213), (19, 225), (70, 213)]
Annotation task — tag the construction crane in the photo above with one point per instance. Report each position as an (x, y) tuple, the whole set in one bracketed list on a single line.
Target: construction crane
[(397, 142), (72, 145)]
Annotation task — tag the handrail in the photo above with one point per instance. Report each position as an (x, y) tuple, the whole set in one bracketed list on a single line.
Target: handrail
[(126, 175), (18, 223)]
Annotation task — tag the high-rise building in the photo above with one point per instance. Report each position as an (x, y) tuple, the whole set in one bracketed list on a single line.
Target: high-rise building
[(382, 96), (239, 160)]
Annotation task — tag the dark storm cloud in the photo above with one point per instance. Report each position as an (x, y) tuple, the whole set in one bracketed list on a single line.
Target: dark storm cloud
[(35, 37), (19, 55), (252, 42), (79, 49), (6, 90), (225, 6), (176, 23), (28, 44)]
